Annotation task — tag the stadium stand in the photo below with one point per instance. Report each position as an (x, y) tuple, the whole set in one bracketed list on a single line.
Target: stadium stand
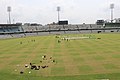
[(10, 28), (19, 30)]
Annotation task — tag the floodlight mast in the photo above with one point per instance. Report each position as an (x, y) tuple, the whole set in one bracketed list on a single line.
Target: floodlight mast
[(9, 10), (111, 7), (58, 9)]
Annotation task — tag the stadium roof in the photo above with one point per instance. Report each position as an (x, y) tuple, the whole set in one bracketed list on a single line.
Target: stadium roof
[(10, 24)]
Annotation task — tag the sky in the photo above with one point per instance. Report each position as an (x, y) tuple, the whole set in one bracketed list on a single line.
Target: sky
[(45, 11)]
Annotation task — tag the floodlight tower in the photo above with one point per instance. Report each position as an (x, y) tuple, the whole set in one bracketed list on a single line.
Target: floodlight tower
[(9, 10), (58, 9), (111, 7)]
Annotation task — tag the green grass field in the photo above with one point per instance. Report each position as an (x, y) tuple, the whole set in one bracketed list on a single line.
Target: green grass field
[(85, 59)]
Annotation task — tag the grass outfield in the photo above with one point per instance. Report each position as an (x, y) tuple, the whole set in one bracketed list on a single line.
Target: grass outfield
[(84, 59)]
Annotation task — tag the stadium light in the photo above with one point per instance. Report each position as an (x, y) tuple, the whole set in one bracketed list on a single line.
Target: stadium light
[(58, 9), (111, 7), (9, 10)]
